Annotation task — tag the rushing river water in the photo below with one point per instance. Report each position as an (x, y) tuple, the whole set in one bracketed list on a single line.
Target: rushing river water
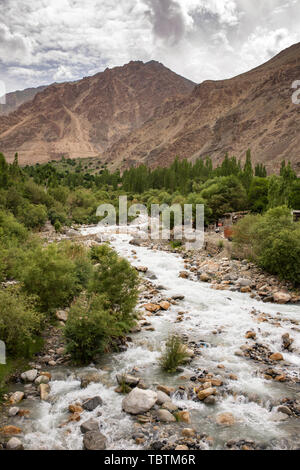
[(207, 310)]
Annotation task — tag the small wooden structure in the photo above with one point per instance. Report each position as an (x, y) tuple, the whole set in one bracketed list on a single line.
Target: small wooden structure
[(296, 216)]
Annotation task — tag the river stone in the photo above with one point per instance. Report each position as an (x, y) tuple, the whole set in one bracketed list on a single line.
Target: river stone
[(94, 440), (203, 394), (14, 444), (44, 390), (281, 297), (139, 401), (91, 425), (243, 282), (92, 403), (162, 397), (16, 398), (29, 375), (42, 379), (225, 419), (13, 411), (276, 357), (128, 379), (184, 416), (165, 416), (285, 410)]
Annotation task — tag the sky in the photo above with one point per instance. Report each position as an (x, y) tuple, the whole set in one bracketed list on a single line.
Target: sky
[(46, 41)]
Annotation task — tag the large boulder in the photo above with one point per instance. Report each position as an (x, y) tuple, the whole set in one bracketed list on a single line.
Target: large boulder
[(139, 401), (94, 440)]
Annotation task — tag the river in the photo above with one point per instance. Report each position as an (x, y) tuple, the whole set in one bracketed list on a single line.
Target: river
[(249, 398)]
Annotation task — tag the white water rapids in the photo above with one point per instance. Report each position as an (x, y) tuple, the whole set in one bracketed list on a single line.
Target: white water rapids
[(206, 310)]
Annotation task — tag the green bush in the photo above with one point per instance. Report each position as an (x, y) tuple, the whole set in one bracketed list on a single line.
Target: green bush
[(19, 321), (89, 328), (115, 278), (174, 354), (272, 241), (50, 275)]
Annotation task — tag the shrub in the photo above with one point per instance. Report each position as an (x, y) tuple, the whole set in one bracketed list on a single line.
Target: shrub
[(115, 278), (19, 321), (89, 328), (50, 275), (174, 355)]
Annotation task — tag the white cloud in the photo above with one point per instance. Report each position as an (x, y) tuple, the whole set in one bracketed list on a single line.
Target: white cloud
[(62, 40)]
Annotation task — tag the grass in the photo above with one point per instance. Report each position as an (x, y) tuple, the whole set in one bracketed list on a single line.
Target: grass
[(174, 355)]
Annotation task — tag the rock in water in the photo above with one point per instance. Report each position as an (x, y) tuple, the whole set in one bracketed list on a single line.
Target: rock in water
[(165, 416), (94, 441), (139, 401), (91, 425), (225, 419), (92, 403), (127, 379), (14, 444)]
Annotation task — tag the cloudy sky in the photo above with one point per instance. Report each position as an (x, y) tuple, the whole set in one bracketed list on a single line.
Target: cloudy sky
[(44, 41)]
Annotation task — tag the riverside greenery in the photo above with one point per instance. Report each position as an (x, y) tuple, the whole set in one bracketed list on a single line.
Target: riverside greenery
[(68, 275)]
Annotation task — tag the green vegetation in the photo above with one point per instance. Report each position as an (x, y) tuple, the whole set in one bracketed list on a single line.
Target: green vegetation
[(174, 355), (101, 288), (272, 241)]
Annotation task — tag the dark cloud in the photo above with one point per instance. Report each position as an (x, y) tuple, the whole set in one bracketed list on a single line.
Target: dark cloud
[(167, 20)]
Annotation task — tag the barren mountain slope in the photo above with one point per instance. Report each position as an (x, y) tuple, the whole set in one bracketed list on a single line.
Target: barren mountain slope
[(14, 99), (83, 118), (253, 110)]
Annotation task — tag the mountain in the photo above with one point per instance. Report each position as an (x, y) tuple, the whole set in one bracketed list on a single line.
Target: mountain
[(145, 113), (84, 118), (253, 110), (16, 98)]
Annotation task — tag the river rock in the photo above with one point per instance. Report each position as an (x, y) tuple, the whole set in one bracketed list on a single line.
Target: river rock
[(281, 297), (75, 409), (250, 335), (243, 282), (62, 315), (184, 416), (181, 447), (162, 398), (205, 277), (168, 405), (139, 401), (10, 430), (225, 419), (14, 444), (44, 390), (188, 432), (165, 416), (42, 379), (94, 440), (16, 398), (166, 389), (203, 394), (152, 308), (13, 411), (127, 379), (165, 305), (29, 375), (276, 357), (91, 425), (92, 403), (285, 410)]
